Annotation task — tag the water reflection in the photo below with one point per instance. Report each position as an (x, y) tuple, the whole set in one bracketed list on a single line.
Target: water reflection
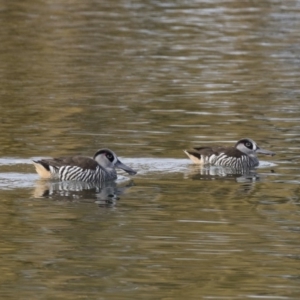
[(197, 172), (147, 78), (103, 193), (247, 179)]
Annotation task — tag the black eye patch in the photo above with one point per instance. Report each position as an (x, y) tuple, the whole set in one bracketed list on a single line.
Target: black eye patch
[(109, 156), (249, 145)]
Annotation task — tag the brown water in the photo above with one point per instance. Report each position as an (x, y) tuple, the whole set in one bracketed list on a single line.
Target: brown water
[(148, 79)]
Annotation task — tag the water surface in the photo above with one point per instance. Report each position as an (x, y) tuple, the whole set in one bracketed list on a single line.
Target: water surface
[(149, 79)]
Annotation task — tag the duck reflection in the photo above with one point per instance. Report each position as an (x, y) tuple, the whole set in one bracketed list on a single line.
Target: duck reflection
[(246, 178), (221, 173), (102, 193)]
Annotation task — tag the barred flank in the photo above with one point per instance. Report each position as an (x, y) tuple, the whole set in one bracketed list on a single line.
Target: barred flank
[(241, 162), (70, 173)]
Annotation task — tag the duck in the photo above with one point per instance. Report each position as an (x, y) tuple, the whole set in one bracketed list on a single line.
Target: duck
[(100, 168), (243, 155)]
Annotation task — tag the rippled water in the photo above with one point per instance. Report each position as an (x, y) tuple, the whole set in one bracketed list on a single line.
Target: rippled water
[(149, 79)]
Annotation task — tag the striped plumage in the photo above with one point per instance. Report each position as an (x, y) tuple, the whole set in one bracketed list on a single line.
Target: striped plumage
[(241, 156), (80, 168)]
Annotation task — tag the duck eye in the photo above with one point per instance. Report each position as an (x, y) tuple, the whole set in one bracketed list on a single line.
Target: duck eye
[(248, 144), (109, 156)]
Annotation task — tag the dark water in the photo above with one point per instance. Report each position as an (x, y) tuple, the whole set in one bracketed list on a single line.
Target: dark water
[(149, 79)]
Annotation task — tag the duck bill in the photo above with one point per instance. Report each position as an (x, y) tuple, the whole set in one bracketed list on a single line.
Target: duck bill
[(266, 152), (122, 166)]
